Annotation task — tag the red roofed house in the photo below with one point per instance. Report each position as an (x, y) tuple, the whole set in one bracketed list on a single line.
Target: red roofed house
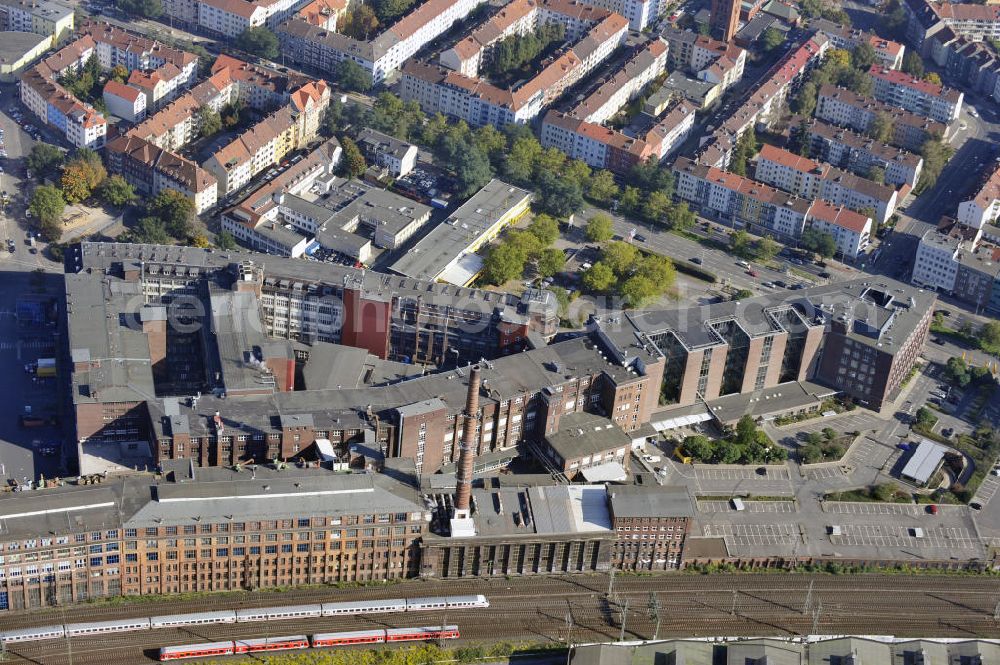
[(851, 230), (124, 101)]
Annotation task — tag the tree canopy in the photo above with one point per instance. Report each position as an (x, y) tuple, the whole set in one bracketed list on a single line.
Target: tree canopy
[(260, 41), (47, 206)]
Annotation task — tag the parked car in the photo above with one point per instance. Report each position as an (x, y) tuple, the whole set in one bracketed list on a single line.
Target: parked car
[(932, 509), (696, 260)]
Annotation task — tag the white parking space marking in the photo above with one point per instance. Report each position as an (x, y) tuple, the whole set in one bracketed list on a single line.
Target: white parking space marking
[(826, 472), (850, 508), (987, 489), (754, 534), (875, 535), (713, 506), (780, 473)]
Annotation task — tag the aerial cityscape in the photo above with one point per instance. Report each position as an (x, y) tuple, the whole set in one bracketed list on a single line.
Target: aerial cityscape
[(597, 332)]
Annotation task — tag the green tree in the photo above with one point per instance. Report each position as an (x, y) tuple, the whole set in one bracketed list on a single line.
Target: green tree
[(333, 118), (150, 230), (989, 335), (885, 492), (602, 187), (598, 278), (658, 269), (559, 196), (390, 10), (503, 263), (81, 177), (925, 418), (933, 78), (550, 262), (936, 154), (739, 243), (47, 206), (225, 240), (117, 191), (805, 102), (353, 76), (520, 163), (359, 23), (353, 161), (146, 8), (863, 56), (913, 64), (119, 73), (639, 290), (772, 39), (814, 438), (741, 294), (877, 174), (630, 200), (473, 171), (209, 121), (259, 41), (746, 430), (545, 228), (767, 248), (175, 210), (829, 433), (743, 151), (682, 217), (820, 242), (599, 228), (491, 142), (957, 372), (44, 158), (656, 207), (621, 257), (699, 447)]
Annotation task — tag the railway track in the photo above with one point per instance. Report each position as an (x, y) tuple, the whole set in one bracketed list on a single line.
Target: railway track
[(534, 610)]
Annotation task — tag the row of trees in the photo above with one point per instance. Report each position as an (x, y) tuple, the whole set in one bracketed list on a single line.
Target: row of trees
[(961, 374), (515, 51), (168, 216), (509, 259), (259, 41), (475, 156), (626, 272), (747, 445), (743, 245), (86, 84), (80, 178), (145, 8)]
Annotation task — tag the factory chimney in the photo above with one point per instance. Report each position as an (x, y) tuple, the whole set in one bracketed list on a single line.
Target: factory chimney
[(467, 452)]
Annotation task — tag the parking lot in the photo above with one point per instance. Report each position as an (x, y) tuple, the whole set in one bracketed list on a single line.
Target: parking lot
[(754, 535), (742, 473), (875, 535), (861, 508), (714, 506), (826, 473)]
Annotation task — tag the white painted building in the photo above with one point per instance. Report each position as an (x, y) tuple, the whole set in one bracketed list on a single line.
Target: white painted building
[(937, 260)]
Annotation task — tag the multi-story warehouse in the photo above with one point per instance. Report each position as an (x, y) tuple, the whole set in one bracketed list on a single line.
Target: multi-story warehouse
[(848, 109), (650, 526), (849, 150), (916, 95), (317, 46), (199, 530), (887, 52)]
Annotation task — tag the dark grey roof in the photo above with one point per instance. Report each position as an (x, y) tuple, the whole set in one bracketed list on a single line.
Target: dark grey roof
[(650, 501), (583, 434)]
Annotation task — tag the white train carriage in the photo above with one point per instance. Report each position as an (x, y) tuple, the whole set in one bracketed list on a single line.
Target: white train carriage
[(467, 601), (194, 619), (99, 627), (376, 636), (277, 613), (426, 604), (364, 607), (32, 634)]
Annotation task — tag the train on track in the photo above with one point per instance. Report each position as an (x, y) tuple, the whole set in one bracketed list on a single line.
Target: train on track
[(428, 604), (292, 642)]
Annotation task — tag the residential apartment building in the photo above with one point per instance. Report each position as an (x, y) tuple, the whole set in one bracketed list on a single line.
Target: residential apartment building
[(925, 18), (851, 230), (761, 108), (984, 207), (810, 179), (651, 526), (41, 17), (936, 262), (124, 101), (848, 109), (738, 200), (854, 152), (705, 58), (595, 34), (397, 157), (964, 265), (916, 95), (518, 17), (151, 169), (967, 62), (887, 52), (315, 46)]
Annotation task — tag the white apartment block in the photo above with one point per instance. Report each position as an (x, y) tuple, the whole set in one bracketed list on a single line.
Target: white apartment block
[(937, 260), (640, 13), (232, 17), (857, 193), (984, 207), (317, 47), (124, 101), (41, 17), (850, 230), (849, 150), (915, 95), (790, 172), (518, 17)]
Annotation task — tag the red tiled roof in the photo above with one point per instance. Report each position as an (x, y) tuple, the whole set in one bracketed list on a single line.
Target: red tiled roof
[(117, 89), (839, 216)]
